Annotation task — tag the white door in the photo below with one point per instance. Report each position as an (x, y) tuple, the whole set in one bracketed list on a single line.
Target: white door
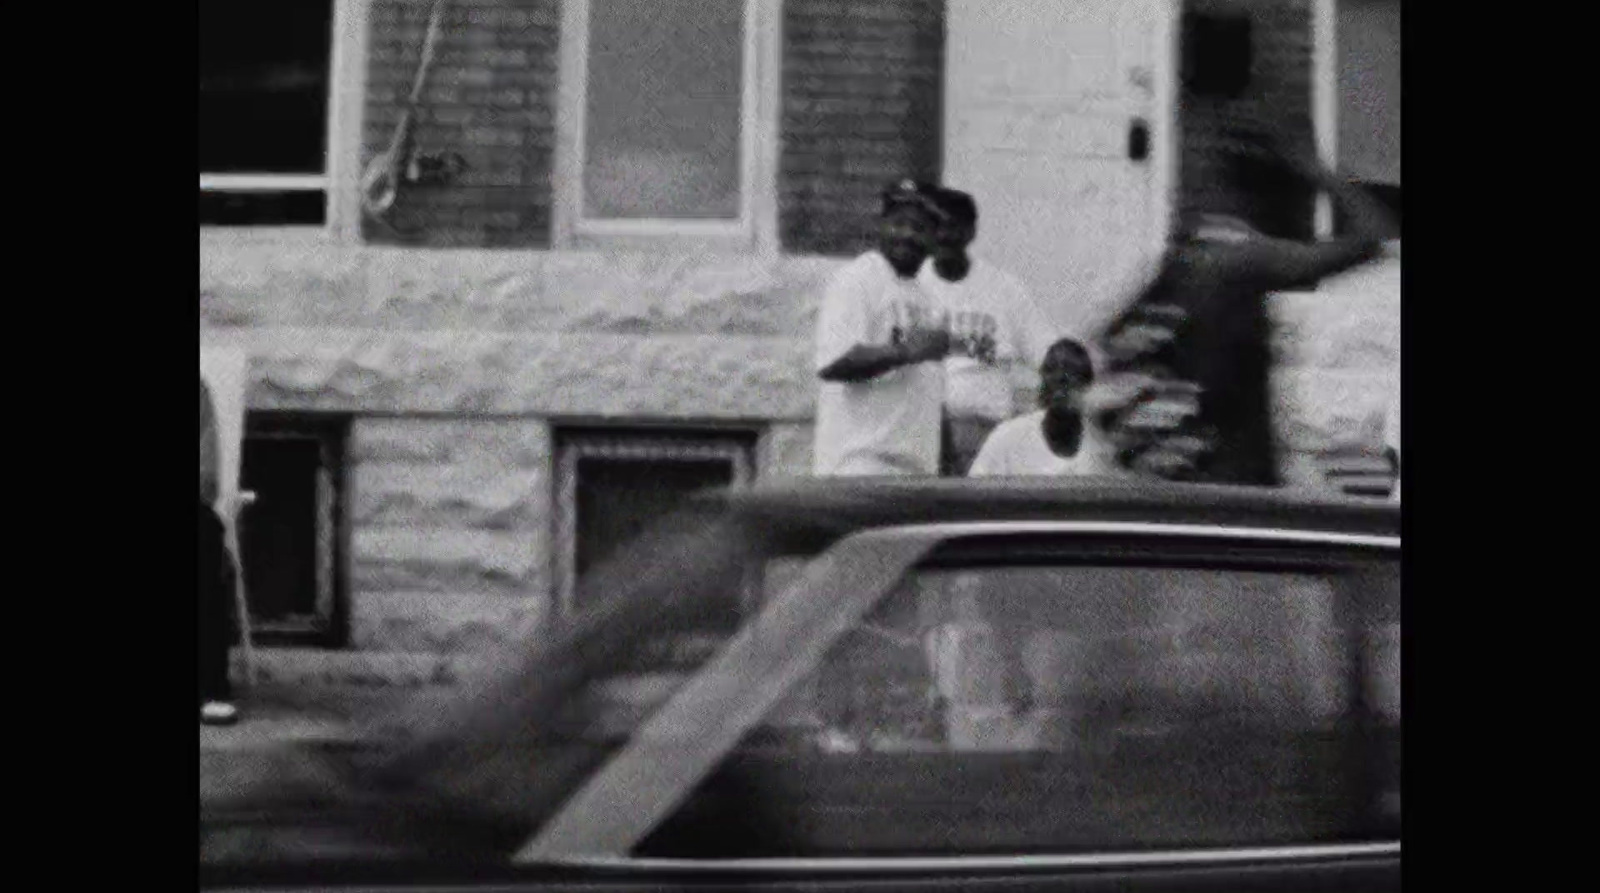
[(1041, 97)]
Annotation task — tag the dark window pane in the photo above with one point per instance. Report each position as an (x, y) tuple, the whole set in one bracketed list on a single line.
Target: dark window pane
[(1386, 194), (290, 546), (1216, 55), (618, 499), (264, 85), (263, 208), (278, 533)]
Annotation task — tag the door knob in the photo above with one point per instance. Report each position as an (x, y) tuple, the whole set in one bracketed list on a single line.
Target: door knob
[(1139, 140)]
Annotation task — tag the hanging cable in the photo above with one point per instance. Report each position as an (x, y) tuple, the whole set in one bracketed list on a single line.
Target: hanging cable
[(380, 183)]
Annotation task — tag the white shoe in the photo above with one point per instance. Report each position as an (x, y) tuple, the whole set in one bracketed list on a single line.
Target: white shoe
[(218, 713)]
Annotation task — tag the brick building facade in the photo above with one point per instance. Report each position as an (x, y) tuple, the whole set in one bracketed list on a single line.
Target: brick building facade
[(427, 392)]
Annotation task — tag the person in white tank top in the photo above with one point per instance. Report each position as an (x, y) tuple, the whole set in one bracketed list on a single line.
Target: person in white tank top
[(1057, 439)]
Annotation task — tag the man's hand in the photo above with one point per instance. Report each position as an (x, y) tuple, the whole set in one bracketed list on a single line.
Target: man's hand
[(922, 345)]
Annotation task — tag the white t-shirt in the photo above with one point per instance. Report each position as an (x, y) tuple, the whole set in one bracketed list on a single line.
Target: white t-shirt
[(889, 424), (1017, 447), (996, 301)]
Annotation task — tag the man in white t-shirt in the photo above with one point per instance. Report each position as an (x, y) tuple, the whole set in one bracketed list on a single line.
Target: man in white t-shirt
[(881, 340), (998, 333), (1056, 439)]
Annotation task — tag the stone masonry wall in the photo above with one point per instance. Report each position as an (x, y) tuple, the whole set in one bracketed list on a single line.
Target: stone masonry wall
[(363, 329), (454, 366), (450, 532), (1338, 365)]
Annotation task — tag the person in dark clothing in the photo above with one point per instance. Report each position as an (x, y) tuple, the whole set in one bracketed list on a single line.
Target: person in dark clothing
[(216, 581), (1191, 357)]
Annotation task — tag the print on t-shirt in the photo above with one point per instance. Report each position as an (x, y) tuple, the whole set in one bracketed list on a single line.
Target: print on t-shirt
[(973, 334), (890, 423)]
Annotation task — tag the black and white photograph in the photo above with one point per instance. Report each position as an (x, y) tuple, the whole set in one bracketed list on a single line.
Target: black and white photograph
[(800, 445)]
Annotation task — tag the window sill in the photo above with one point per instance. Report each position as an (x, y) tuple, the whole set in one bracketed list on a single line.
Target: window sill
[(666, 241), (276, 235)]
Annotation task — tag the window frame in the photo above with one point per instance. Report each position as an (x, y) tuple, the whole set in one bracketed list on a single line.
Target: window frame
[(327, 625), (756, 225), (1325, 102), (575, 443), (341, 138), (595, 828)]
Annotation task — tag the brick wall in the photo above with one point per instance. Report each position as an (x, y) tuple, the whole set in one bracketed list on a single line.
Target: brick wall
[(861, 106), (1279, 91), (491, 98)]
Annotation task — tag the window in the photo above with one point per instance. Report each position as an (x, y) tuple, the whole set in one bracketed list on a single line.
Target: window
[(291, 538), (1024, 706), (1367, 90), (663, 105), (612, 484), (265, 88)]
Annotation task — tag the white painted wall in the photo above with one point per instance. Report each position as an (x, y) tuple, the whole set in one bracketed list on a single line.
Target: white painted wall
[(1038, 102)]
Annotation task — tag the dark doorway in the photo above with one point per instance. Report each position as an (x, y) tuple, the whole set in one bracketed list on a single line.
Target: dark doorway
[(289, 538)]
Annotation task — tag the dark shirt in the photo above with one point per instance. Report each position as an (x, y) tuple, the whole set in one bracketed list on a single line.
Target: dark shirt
[(1223, 344)]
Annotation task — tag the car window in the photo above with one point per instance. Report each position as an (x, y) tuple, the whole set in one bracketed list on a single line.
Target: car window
[(468, 772), (1072, 707)]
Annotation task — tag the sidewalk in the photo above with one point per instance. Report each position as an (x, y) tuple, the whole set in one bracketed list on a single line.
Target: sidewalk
[(274, 742), (257, 729)]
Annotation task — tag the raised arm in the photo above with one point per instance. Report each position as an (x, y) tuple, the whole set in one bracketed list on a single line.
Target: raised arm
[(844, 352), (865, 362), (1279, 264)]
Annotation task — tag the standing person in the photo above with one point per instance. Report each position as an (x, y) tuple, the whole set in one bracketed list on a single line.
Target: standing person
[(216, 570), (993, 697), (1193, 352), (998, 333), (880, 343), (1056, 439)]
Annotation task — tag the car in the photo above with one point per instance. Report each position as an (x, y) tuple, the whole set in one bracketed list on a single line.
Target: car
[(912, 684)]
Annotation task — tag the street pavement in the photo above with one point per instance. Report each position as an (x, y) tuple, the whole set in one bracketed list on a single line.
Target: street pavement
[(273, 743)]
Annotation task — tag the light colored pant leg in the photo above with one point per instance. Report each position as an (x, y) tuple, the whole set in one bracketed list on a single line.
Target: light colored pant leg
[(973, 663)]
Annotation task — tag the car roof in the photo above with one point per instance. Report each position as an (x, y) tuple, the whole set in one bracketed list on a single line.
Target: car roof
[(845, 505)]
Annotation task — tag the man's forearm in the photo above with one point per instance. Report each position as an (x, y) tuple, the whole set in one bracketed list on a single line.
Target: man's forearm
[(865, 362)]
